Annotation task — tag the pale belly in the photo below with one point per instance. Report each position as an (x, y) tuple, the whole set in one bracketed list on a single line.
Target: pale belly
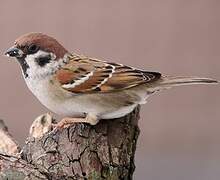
[(63, 103)]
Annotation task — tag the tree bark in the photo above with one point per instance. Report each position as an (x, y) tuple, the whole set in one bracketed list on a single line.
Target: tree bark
[(81, 151)]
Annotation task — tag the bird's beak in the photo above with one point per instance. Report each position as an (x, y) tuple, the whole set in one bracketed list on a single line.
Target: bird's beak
[(14, 52)]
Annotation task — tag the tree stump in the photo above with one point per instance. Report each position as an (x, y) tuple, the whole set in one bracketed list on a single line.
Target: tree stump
[(81, 151)]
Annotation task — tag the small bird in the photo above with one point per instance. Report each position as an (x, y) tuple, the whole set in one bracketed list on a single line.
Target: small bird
[(85, 89)]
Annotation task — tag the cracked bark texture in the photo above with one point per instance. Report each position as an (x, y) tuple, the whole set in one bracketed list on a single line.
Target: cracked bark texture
[(81, 151)]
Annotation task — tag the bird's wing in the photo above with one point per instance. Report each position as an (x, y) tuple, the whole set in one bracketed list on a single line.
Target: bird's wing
[(83, 74)]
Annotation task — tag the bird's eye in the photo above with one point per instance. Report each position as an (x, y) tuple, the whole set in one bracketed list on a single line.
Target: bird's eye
[(33, 48)]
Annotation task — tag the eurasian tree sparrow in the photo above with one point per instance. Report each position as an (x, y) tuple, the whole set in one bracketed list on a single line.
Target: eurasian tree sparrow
[(85, 89)]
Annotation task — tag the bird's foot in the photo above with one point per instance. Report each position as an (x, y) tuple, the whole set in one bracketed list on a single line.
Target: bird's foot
[(68, 121)]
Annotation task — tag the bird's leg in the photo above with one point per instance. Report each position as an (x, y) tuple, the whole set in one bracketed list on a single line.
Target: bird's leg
[(67, 121)]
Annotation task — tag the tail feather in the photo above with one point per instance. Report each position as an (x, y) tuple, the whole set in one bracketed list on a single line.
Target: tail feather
[(176, 81), (168, 82)]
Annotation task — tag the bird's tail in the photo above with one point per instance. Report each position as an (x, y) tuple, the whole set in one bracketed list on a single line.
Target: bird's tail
[(169, 81)]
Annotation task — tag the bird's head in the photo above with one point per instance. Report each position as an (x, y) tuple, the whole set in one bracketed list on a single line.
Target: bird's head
[(37, 53)]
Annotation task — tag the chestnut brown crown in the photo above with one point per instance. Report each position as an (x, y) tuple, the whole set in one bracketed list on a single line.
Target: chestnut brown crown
[(42, 42)]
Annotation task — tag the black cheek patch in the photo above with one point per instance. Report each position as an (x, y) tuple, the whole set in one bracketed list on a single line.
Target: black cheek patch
[(42, 61)]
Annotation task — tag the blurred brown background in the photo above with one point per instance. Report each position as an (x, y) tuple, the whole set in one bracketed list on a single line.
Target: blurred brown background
[(180, 136)]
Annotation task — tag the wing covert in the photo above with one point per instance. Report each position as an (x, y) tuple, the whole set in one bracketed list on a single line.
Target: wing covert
[(86, 75)]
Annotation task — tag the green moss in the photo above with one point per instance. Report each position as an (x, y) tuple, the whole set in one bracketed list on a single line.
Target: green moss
[(110, 173), (95, 176)]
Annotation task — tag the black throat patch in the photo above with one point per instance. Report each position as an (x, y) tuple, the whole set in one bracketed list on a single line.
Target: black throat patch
[(24, 66)]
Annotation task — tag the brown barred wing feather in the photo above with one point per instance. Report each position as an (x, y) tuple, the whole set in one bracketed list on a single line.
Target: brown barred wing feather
[(86, 75)]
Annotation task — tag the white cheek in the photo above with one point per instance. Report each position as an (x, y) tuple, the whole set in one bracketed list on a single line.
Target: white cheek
[(36, 71)]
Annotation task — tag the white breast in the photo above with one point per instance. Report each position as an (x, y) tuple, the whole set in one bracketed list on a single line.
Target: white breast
[(54, 98)]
